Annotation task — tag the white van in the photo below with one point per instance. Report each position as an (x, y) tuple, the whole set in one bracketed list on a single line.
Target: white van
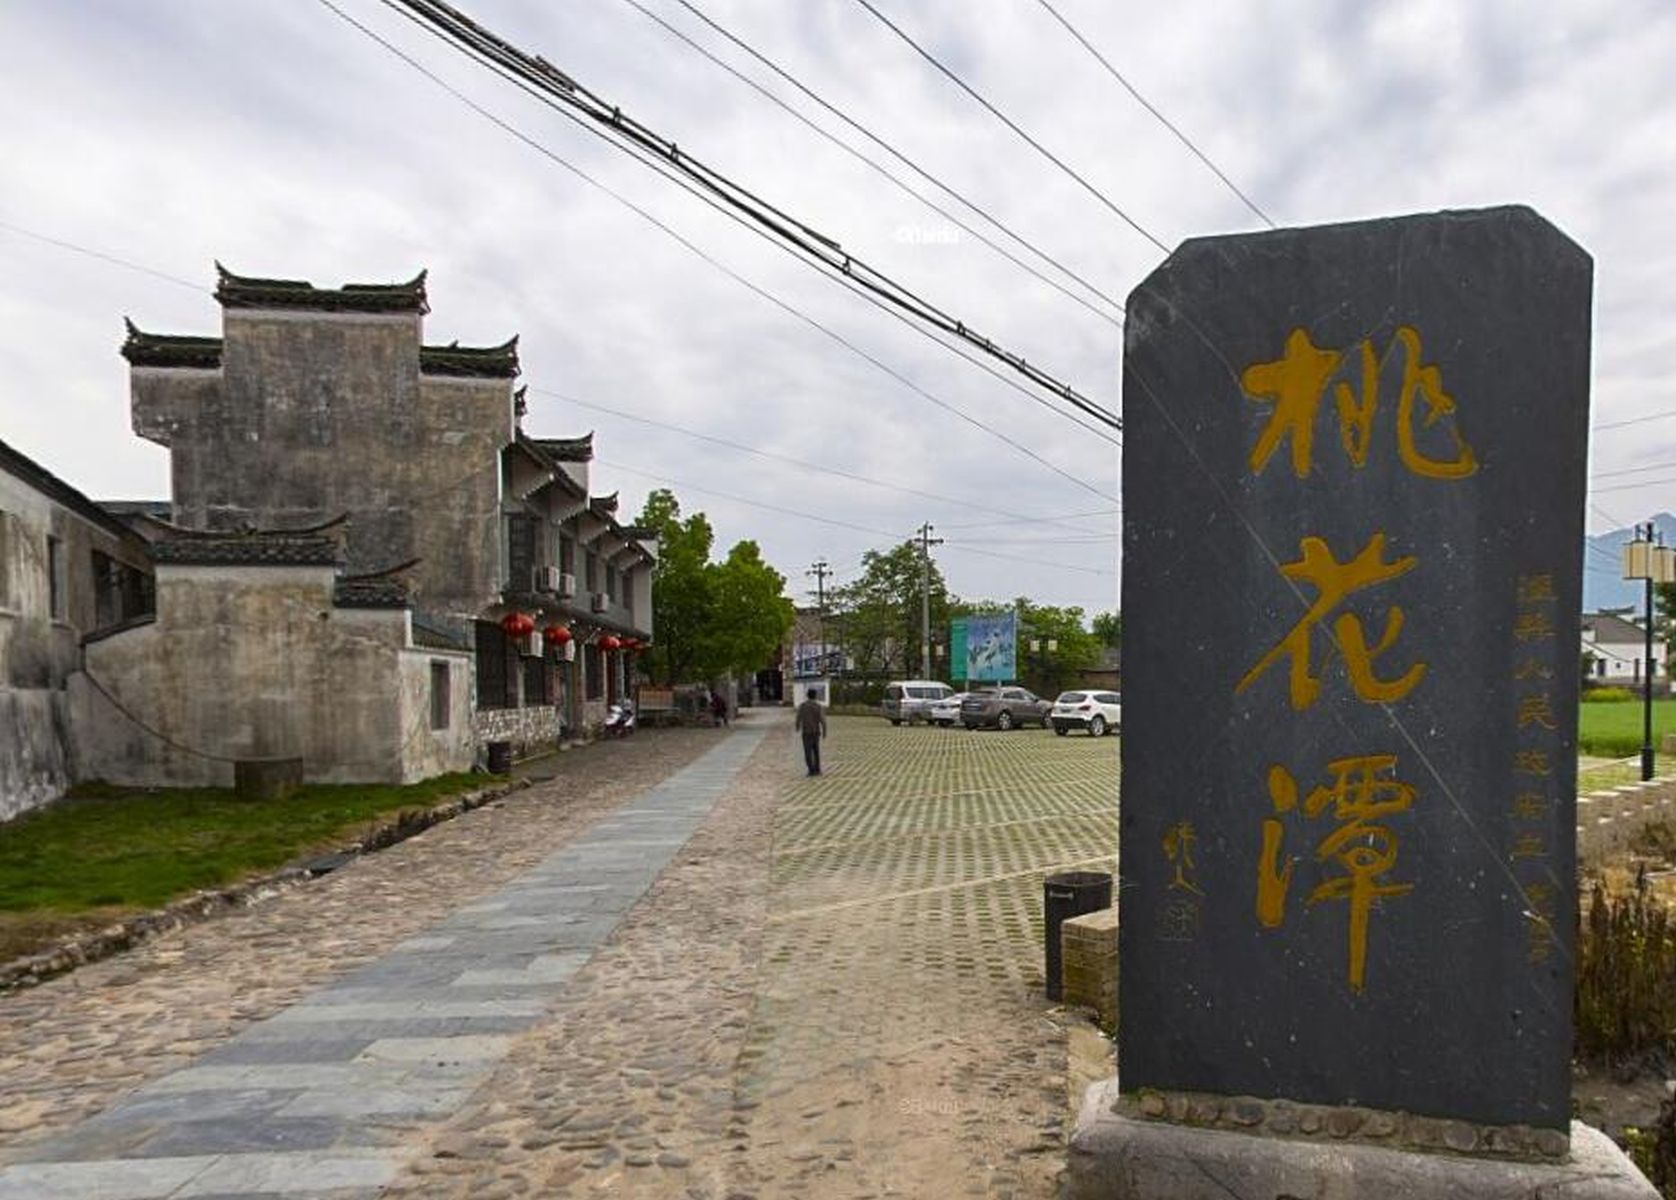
[(911, 699)]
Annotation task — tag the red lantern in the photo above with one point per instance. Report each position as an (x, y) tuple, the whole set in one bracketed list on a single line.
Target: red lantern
[(517, 625), (609, 643), (557, 634), (630, 644)]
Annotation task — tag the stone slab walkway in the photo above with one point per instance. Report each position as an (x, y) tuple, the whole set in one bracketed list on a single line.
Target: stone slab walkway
[(329, 1097)]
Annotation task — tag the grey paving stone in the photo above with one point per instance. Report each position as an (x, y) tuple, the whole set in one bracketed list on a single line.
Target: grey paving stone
[(236, 1135), (248, 1051), (289, 1174), (102, 1180)]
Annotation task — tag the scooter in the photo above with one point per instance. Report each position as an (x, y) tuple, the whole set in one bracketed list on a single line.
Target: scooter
[(619, 720)]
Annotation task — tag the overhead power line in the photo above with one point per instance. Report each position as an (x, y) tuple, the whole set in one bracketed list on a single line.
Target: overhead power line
[(815, 246), (902, 158), (876, 166), (896, 537), (692, 247), (102, 256), (802, 464), (1658, 416), (1014, 126), (1153, 109)]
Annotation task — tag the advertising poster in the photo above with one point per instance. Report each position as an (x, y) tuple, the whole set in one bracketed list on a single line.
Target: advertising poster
[(991, 648)]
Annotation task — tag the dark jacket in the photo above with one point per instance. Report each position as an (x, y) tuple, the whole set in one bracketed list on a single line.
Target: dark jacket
[(811, 719)]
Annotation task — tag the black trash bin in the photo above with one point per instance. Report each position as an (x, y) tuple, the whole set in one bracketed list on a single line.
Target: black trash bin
[(500, 758), (1067, 895)]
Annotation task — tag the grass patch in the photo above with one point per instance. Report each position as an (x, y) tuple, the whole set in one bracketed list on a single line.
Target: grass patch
[(1614, 730), (103, 852)]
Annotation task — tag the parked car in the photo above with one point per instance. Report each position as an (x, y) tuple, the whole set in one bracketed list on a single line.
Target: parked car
[(1003, 708), (911, 699), (946, 712), (1097, 712)]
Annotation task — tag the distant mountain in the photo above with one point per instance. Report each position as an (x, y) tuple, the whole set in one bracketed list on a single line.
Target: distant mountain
[(1603, 566)]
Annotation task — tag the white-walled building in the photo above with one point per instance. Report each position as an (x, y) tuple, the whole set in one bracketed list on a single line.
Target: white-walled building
[(1617, 650)]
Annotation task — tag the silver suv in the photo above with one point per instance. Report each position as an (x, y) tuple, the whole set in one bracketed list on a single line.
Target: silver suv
[(911, 699)]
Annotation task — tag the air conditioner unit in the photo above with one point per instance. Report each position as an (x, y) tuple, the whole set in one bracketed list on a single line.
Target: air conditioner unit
[(532, 646), (567, 652), (597, 602), (547, 579), (567, 585)]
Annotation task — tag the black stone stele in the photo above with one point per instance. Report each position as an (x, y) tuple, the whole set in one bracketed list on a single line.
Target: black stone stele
[(1354, 471)]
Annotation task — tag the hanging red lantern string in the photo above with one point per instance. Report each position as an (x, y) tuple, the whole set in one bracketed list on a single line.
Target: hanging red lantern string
[(517, 625), (609, 643), (557, 634)]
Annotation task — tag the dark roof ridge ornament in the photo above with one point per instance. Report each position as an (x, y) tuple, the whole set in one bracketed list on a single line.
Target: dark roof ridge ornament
[(572, 450), (249, 291), (144, 349), (385, 572), (486, 362)]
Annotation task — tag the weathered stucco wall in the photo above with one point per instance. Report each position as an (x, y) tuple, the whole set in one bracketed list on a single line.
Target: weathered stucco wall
[(255, 662), (313, 414), (38, 648)]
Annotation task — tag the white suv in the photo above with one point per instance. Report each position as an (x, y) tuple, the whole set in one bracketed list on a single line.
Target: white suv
[(1096, 712), (911, 699)]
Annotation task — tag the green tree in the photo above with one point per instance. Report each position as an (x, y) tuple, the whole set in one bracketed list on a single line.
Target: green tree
[(1108, 627), (1075, 649), (750, 616), (682, 596), (709, 618), (879, 614)]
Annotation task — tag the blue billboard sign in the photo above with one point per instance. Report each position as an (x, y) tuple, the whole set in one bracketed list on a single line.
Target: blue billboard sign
[(992, 648)]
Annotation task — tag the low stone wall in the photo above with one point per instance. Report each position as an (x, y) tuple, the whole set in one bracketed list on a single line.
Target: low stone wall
[(1607, 821), (530, 730), (1088, 957)]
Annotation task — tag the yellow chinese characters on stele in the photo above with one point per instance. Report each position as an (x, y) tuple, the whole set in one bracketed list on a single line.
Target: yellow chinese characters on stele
[(1333, 582), (1362, 791), (1297, 384)]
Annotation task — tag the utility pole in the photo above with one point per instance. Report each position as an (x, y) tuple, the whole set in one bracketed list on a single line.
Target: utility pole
[(1647, 558), (926, 541), (820, 570)]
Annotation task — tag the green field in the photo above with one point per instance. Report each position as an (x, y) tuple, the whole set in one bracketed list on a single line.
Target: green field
[(1614, 730), (103, 853)]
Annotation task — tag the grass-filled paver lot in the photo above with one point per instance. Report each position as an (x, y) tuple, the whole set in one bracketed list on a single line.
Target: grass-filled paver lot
[(103, 853), (1613, 730), (912, 870)]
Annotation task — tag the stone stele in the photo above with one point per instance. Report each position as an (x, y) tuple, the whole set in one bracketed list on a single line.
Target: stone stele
[(1354, 473)]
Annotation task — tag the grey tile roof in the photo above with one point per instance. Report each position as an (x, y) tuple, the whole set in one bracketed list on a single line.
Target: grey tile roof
[(249, 549), (144, 349), (487, 362), (244, 291)]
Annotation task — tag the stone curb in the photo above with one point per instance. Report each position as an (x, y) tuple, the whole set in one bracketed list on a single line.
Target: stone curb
[(84, 948)]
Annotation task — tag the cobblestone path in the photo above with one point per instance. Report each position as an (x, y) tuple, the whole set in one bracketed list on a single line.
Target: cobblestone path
[(831, 989), (324, 1097), (834, 990)]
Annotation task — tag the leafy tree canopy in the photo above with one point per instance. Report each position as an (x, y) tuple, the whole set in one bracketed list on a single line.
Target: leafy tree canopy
[(710, 619)]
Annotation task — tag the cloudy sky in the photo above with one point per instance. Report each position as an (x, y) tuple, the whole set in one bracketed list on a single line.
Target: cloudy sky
[(274, 136)]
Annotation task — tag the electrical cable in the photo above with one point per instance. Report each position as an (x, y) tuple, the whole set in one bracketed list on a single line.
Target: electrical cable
[(1162, 119), (913, 166), (1665, 415), (804, 464), (1014, 126), (692, 247), (99, 254), (826, 252), (807, 516)]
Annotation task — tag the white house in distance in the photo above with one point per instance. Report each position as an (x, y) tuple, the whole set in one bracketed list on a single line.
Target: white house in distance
[(1617, 650)]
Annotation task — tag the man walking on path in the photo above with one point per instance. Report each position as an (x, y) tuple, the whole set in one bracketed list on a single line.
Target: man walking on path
[(811, 723)]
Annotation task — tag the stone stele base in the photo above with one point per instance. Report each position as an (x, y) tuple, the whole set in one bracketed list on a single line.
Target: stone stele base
[(1115, 1157)]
